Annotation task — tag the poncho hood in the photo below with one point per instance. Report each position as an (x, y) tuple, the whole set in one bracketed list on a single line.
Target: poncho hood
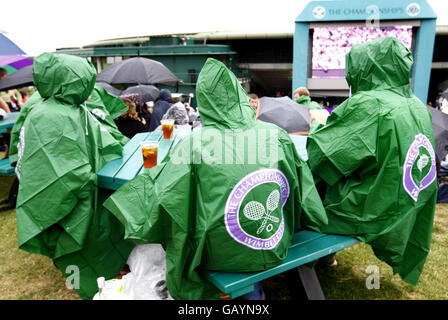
[(99, 97), (165, 95), (67, 78), (222, 102), (303, 99), (306, 101), (379, 64)]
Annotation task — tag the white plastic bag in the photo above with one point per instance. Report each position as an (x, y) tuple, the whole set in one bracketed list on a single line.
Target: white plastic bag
[(147, 263), (114, 289), (146, 281)]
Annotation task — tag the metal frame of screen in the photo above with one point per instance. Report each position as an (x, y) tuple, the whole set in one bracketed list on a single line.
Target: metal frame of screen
[(349, 13), (338, 86)]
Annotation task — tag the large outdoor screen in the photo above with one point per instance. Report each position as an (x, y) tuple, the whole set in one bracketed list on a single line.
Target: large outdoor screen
[(330, 45)]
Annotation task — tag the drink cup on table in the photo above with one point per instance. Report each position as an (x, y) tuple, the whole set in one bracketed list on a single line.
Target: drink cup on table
[(167, 127), (149, 151)]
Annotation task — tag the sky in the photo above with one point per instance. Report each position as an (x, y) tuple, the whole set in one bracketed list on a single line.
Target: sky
[(44, 25)]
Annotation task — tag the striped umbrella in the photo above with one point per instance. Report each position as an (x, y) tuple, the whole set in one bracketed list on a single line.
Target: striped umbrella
[(14, 62), (7, 47)]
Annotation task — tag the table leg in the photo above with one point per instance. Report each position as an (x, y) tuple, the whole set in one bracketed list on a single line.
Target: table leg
[(310, 283)]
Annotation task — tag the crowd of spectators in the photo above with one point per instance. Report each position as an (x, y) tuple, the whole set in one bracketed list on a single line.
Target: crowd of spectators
[(330, 45)]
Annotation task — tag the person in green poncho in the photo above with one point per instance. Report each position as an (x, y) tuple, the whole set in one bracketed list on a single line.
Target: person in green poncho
[(302, 96), (228, 197), (59, 143), (375, 155)]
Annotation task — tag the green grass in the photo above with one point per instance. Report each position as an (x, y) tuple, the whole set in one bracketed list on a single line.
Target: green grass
[(347, 281), (25, 276), (31, 276)]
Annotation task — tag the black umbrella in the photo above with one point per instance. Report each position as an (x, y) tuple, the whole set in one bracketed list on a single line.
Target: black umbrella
[(146, 92), (440, 128), (286, 113), (109, 88), (137, 70), (18, 79)]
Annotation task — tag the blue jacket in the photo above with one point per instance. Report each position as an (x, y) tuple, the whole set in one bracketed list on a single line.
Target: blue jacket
[(161, 106)]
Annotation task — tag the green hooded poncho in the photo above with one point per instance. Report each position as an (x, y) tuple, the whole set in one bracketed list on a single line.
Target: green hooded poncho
[(306, 101), (229, 196), (104, 106), (377, 158), (61, 147)]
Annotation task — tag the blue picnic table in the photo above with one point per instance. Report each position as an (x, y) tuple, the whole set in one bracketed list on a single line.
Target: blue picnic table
[(306, 246), (5, 124), (5, 168), (8, 121), (117, 172)]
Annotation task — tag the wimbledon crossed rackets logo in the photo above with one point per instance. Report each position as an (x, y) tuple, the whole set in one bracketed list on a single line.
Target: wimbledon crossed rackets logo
[(319, 12), (254, 210), (419, 168)]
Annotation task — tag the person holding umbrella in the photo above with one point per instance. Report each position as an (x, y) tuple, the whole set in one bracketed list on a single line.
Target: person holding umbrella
[(128, 123), (148, 94)]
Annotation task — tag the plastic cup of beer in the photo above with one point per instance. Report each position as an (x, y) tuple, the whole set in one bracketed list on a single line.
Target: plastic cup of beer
[(149, 150), (167, 127)]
